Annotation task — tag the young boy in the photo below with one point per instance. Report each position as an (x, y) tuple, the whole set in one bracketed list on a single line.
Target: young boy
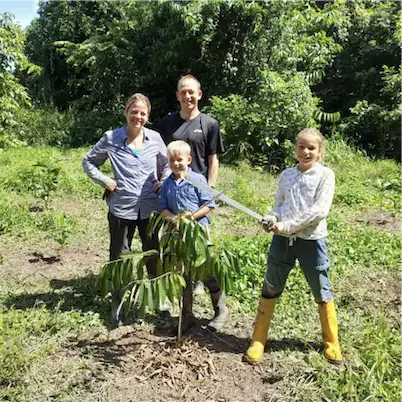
[(179, 195), (303, 201)]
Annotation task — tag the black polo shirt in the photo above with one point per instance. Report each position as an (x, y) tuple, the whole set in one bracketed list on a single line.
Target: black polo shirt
[(201, 133)]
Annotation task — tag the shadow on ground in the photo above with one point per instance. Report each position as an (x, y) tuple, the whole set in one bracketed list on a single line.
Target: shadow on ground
[(77, 294)]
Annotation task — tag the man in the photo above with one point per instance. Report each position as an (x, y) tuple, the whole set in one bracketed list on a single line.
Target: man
[(197, 129), (202, 133)]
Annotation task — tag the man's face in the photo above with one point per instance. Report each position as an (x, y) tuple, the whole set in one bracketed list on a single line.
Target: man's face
[(188, 95)]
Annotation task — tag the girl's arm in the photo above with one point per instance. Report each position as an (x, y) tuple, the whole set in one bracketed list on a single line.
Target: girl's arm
[(318, 211), (279, 198)]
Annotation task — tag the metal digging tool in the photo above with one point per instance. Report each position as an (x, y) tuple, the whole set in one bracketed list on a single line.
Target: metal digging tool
[(215, 197), (227, 200)]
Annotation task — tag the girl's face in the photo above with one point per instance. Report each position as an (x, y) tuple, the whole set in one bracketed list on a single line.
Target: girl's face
[(137, 114), (308, 152)]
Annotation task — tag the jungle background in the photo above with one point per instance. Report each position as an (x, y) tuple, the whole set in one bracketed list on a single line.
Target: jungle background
[(268, 69)]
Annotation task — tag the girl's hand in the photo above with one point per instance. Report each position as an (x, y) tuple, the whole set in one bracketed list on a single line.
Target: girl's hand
[(268, 222), (277, 227)]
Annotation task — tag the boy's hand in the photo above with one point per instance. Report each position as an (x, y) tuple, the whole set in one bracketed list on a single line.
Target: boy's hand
[(188, 215), (111, 185), (268, 222)]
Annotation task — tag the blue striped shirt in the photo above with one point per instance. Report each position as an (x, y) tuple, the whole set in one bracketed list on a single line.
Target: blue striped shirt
[(135, 175), (180, 196)]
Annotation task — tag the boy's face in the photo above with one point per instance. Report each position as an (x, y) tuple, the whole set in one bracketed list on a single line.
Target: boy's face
[(188, 95), (178, 162), (308, 152)]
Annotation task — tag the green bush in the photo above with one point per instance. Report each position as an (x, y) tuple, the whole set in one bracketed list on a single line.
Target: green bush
[(71, 128), (262, 128)]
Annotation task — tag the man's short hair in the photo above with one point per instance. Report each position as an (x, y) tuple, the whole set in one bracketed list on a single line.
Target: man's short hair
[(187, 77), (178, 146)]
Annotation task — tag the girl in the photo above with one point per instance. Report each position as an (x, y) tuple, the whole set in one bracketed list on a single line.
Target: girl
[(303, 200)]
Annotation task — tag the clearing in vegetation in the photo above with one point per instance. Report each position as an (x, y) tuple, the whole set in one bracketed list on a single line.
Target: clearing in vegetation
[(55, 343)]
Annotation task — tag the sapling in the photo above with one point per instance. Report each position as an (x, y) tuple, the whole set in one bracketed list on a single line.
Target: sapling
[(183, 254)]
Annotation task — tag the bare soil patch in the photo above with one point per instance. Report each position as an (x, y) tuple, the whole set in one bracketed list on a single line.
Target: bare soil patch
[(373, 291), (134, 364), (137, 362), (380, 220)]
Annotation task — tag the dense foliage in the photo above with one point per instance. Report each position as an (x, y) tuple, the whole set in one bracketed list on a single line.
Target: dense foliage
[(13, 95), (267, 69)]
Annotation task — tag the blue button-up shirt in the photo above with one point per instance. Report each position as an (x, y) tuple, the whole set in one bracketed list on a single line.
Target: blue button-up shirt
[(135, 175), (180, 196)]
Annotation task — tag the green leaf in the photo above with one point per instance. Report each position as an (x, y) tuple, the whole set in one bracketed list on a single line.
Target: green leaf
[(150, 294), (117, 276), (143, 303), (161, 290)]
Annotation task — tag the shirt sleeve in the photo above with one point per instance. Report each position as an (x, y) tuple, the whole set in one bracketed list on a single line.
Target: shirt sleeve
[(279, 198), (162, 202), (318, 211), (163, 170), (95, 158), (215, 142)]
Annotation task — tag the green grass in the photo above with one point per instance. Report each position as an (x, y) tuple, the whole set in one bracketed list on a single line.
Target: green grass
[(37, 322)]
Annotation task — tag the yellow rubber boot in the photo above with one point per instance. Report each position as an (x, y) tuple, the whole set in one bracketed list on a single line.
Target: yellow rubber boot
[(264, 314), (329, 324)]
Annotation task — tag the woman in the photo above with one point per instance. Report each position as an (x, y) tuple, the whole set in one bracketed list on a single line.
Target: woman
[(139, 162)]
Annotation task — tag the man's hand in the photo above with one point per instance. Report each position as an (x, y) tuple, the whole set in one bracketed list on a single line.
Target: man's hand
[(268, 222), (111, 186)]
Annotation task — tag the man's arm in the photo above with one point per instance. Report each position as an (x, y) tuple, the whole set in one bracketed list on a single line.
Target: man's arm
[(213, 167)]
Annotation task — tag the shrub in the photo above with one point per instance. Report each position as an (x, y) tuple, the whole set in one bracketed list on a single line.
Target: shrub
[(263, 127)]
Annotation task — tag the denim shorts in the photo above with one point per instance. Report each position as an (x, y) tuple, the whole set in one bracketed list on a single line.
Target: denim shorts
[(314, 262)]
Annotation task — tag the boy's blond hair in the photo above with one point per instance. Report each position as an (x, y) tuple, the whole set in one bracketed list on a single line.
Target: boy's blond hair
[(179, 146), (138, 97), (187, 77), (313, 132)]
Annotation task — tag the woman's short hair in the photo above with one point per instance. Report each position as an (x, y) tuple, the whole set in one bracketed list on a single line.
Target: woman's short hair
[(138, 97), (179, 146)]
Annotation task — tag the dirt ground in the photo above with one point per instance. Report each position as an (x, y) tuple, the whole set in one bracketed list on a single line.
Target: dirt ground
[(140, 361), (380, 220)]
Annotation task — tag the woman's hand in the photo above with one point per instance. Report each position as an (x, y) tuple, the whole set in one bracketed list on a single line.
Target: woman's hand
[(111, 185), (157, 186)]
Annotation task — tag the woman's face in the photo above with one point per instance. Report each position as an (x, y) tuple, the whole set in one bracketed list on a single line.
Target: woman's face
[(137, 114)]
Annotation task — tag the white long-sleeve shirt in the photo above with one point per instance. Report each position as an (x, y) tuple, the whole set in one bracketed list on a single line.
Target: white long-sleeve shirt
[(303, 201)]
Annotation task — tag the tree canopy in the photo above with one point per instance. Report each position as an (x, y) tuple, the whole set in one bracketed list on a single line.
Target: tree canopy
[(267, 68)]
